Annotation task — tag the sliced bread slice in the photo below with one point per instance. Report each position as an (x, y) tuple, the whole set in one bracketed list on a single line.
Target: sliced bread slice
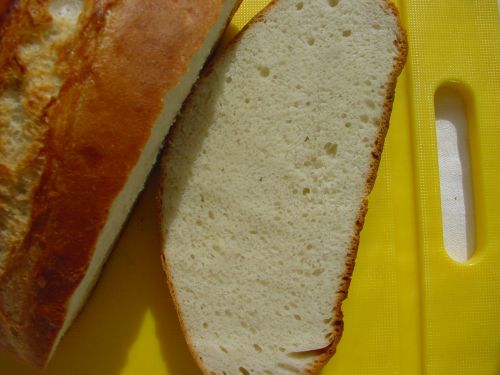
[(265, 178), (88, 90)]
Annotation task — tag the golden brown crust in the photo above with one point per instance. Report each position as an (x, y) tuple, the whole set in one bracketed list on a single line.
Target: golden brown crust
[(338, 324), (18, 19), (21, 23), (98, 126)]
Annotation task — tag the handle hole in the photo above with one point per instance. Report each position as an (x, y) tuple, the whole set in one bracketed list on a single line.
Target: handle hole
[(457, 205)]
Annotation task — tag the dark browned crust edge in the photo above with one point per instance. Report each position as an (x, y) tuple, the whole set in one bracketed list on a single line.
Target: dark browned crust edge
[(338, 323), (6, 8)]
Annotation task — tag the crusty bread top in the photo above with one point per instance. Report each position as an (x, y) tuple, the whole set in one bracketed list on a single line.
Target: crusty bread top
[(81, 83), (265, 181)]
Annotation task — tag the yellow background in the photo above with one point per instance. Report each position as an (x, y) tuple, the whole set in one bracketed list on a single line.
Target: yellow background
[(411, 309)]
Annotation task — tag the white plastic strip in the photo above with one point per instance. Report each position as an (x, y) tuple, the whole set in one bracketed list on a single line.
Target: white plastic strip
[(455, 175)]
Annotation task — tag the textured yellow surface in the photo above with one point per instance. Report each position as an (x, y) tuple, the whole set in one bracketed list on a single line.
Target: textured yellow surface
[(411, 309)]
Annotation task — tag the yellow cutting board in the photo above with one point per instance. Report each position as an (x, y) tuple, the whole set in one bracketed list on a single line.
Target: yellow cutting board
[(411, 309)]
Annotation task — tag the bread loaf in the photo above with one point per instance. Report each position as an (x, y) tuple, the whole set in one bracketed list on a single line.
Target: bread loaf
[(88, 90), (265, 180)]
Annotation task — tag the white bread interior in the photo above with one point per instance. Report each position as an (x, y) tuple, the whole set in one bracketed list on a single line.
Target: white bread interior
[(266, 174)]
